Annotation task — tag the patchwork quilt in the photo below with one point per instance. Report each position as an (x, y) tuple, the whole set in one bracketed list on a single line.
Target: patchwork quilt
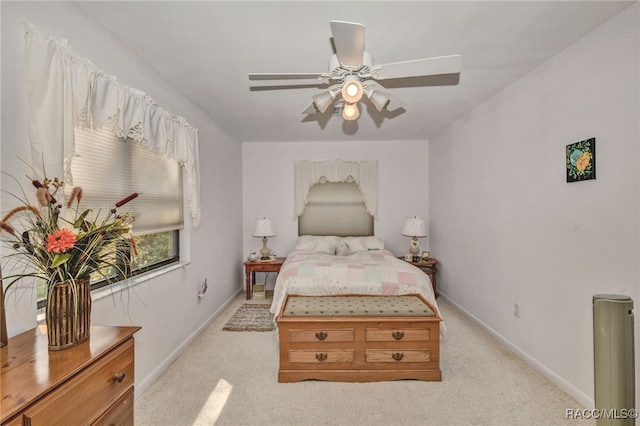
[(376, 272)]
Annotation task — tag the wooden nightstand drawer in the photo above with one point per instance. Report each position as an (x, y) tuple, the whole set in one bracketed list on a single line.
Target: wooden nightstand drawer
[(397, 335), (82, 399), (326, 335), (322, 356), (266, 266)]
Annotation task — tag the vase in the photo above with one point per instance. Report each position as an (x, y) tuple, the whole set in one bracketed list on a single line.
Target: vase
[(68, 314)]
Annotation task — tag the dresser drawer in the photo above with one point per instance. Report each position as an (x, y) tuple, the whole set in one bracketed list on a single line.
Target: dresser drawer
[(321, 356), (397, 356), (120, 413), (392, 334), (86, 396), (326, 335)]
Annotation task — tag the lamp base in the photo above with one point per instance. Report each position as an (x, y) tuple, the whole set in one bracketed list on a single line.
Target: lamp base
[(415, 246), (264, 251)]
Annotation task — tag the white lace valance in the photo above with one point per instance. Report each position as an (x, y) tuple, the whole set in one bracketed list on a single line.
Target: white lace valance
[(363, 173), (65, 90)]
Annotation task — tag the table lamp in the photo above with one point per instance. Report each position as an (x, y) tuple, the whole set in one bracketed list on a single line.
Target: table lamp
[(415, 228), (264, 229)]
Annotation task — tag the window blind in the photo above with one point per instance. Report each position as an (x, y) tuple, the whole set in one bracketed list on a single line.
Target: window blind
[(108, 169)]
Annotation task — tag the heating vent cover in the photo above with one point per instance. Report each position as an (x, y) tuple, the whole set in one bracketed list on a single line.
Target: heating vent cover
[(614, 357)]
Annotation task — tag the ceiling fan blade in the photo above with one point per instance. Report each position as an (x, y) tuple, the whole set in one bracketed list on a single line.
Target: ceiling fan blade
[(419, 67), (348, 37), (294, 76)]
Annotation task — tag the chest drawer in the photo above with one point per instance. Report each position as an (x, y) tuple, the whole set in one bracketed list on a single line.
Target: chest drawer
[(321, 356), (84, 397), (392, 334), (397, 356), (319, 335)]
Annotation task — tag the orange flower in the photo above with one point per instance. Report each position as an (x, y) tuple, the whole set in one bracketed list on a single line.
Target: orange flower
[(60, 241)]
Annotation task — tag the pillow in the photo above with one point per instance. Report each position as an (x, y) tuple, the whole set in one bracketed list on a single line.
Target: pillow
[(305, 243), (326, 245), (317, 244), (342, 249), (373, 243), (354, 244)]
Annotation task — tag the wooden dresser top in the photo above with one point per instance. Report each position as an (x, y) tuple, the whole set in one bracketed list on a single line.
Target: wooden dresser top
[(29, 369)]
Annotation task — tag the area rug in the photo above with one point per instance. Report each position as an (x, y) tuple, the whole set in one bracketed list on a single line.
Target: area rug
[(251, 317)]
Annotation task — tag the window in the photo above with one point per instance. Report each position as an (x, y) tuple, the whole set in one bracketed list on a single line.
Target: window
[(107, 169)]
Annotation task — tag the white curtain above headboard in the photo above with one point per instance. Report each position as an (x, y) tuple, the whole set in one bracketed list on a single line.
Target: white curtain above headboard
[(363, 173)]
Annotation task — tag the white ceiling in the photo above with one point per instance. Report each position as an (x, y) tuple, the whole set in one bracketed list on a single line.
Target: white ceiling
[(208, 48)]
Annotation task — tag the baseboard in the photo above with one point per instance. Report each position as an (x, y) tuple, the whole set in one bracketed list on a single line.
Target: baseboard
[(144, 384), (582, 398)]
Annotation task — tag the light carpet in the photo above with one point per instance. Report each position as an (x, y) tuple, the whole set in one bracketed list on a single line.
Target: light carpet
[(232, 379), (251, 317)]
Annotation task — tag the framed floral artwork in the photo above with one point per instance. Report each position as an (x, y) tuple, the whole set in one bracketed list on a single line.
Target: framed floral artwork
[(581, 160)]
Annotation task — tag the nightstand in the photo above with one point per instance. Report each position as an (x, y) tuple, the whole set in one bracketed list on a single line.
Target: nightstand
[(430, 267), (251, 267)]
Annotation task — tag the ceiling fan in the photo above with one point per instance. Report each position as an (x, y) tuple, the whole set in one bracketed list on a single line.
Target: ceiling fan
[(353, 75)]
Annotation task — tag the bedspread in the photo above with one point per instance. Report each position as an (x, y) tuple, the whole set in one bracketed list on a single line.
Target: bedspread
[(376, 272)]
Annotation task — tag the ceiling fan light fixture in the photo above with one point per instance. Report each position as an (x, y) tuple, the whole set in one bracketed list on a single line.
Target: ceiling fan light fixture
[(352, 89), (378, 99), (350, 111), (323, 101)]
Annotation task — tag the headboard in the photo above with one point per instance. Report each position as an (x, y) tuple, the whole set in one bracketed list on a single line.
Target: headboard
[(335, 208)]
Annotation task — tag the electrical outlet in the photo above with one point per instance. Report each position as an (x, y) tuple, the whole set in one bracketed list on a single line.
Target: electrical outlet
[(516, 310)]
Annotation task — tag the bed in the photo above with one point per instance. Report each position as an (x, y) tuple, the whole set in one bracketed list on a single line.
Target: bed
[(346, 308), (331, 265), (360, 346)]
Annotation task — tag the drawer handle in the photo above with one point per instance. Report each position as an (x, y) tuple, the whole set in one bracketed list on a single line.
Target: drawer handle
[(321, 356), (398, 335), (119, 377), (397, 356), (321, 335)]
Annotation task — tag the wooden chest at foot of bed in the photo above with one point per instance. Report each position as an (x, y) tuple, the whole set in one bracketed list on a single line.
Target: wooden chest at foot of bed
[(358, 339)]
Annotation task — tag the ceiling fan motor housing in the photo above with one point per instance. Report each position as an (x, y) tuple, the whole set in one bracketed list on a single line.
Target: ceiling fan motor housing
[(334, 63)]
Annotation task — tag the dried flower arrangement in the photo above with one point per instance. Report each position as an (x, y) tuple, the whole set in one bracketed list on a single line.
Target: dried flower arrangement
[(58, 244)]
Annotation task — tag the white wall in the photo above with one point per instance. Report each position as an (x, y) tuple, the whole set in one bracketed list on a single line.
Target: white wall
[(507, 227), (166, 306), (268, 186)]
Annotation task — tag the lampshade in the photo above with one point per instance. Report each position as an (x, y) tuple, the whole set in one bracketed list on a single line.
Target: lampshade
[(264, 228), (414, 227), (350, 112), (352, 89), (378, 99), (323, 100)]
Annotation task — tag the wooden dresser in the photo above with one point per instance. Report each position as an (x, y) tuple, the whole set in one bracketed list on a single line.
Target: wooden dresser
[(91, 383), (349, 341)]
